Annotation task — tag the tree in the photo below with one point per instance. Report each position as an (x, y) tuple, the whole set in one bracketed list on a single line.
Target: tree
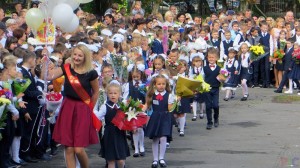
[(156, 6)]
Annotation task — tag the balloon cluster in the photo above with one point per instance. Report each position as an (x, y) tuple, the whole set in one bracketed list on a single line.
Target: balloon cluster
[(61, 12)]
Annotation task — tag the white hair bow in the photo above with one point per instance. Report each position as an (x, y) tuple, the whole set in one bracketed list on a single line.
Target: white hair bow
[(153, 56), (140, 67)]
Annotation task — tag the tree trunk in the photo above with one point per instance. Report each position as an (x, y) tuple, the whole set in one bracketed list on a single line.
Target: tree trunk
[(224, 4), (155, 8), (101, 6), (244, 5)]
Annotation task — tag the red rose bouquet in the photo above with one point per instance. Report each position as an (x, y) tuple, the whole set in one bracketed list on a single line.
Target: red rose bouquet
[(53, 100), (130, 116), (296, 55)]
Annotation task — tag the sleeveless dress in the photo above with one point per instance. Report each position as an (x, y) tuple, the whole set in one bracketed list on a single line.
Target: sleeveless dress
[(114, 143), (160, 123), (74, 127), (233, 80)]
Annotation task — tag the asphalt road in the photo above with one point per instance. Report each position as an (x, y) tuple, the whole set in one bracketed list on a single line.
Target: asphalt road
[(257, 133)]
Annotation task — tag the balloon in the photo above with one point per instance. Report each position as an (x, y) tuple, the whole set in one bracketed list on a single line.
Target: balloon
[(71, 26), (73, 3), (84, 1), (34, 18), (62, 14)]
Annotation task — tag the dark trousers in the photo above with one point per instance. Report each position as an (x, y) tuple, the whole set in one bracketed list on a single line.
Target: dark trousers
[(285, 80), (265, 70), (33, 144), (255, 75), (212, 102), (52, 142), (8, 134)]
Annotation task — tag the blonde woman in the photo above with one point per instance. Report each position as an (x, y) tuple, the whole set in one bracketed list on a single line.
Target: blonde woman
[(75, 128), (169, 19), (188, 18), (275, 32)]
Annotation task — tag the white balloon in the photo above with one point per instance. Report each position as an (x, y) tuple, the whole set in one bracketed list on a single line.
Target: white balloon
[(62, 14), (84, 1), (71, 26), (73, 3)]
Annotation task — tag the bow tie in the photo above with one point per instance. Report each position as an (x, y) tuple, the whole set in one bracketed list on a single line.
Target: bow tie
[(212, 66), (136, 84), (230, 62), (159, 97)]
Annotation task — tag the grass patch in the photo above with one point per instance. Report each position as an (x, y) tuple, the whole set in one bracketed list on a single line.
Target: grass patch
[(286, 98)]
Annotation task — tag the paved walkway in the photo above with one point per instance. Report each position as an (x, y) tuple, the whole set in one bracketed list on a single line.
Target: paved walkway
[(253, 134)]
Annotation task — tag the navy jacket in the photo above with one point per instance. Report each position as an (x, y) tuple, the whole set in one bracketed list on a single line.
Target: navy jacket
[(31, 94), (157, 47), (287, 60)]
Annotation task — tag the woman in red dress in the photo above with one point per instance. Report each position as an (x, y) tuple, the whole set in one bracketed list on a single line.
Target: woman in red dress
[(75, 127)]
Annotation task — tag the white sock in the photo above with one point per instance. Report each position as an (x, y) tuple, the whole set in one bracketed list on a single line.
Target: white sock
[(227, 93), (155, 143), (182, 123), (245, 87), (162, 147), (194, 108), (141, 139), (15, 149), (202, 108), (290, 85), (136, 141)]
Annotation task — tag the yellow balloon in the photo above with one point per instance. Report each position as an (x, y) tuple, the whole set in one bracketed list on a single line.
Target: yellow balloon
[(34, 18)]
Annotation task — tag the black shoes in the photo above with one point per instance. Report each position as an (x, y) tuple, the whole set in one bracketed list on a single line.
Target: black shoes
[(209, 126), (142, 154), (278, 91), (20, 163), (162, 163), (181, 134), (216, 123), (226, 99), (44, 157), (136, 155), (154, 164), (245, 97), (194, 118), (29, 159), (201, 115), (53, 152)]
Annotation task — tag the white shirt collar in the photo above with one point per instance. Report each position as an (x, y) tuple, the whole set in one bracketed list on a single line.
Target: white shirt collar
[(112, 106), (27, 69), (162, 93)]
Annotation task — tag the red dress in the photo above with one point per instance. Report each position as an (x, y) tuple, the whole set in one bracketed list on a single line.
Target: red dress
[(74, 127)]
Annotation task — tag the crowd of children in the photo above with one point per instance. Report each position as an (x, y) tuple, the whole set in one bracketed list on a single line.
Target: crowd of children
[(135, 58)]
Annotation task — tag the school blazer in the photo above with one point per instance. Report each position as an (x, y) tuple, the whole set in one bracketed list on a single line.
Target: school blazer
[(31, 94)]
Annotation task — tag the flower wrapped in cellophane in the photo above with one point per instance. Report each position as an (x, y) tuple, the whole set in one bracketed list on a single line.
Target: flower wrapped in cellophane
[(205, 87), (186, 87), (20, 85), (53, 100), (130, 116), (278, 55), (256, 52), (3, 115), (296, 56), (224, 75), (119, 63), (58, 83)]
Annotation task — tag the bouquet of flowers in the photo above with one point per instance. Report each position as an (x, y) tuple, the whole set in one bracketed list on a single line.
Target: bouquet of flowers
[(220, 63), (20, 85), (172, 64), (224, 75), (3, 115), (53, 100), (130, 115), (143, 89), (296, 56), (57, 84), (6, 93), (119, 63), (256, 51), (186, 87), (278, 55), (205, 87), (150, 37)]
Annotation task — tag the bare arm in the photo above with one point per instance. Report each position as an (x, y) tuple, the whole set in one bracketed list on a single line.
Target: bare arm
[(95, 87)]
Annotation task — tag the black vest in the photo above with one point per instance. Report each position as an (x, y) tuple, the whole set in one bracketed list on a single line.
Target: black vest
[(211, 76)]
